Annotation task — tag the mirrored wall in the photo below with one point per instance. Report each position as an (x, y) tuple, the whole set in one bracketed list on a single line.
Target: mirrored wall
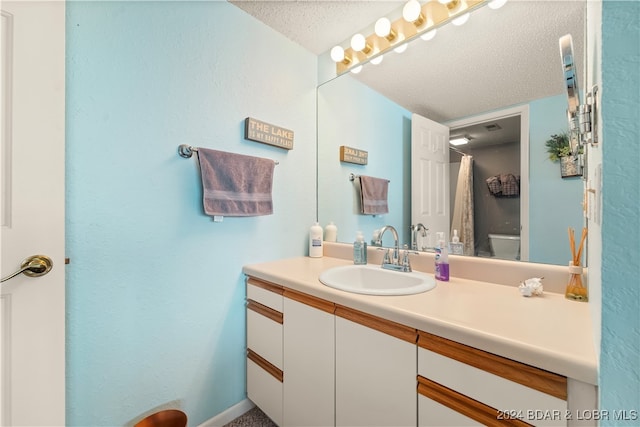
[(509, 60)]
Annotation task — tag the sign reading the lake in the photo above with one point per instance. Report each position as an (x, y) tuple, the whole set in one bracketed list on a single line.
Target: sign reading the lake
[(353, 155), (266, 133)]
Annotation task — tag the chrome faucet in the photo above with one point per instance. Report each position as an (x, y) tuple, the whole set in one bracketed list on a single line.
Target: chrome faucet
[(392, 261), (414, 235), (396, 250)]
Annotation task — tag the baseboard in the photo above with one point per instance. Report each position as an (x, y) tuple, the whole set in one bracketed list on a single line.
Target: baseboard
[(229, 415)]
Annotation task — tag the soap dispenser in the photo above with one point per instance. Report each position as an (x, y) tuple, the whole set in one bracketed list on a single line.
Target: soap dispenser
[(457, 247), (359, 250), (442, 262)]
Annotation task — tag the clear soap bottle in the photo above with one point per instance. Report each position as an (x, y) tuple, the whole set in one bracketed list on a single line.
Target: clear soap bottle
[(359, 250)]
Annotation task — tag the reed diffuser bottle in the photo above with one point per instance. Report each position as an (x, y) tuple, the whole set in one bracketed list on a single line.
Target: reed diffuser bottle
[(575, 289)]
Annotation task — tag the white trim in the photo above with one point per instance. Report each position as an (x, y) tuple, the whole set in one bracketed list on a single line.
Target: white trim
[(229, 414), (523, 112)]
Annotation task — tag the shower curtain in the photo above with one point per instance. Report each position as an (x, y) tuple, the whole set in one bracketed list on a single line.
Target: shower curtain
[(462, 219)]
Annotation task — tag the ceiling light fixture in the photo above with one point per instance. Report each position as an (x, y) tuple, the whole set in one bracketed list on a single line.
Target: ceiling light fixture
[(383, 29), (401, 48), (420, 18), (378, 59), (460, 20), (496, 4), (359, 44), (338, 55), (459, 141), (429, 35), (412, 12)]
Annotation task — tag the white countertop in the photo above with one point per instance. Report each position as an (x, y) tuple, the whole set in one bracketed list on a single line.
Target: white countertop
[(548, 331)]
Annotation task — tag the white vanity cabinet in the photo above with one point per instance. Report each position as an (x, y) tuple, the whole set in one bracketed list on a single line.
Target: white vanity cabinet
[(375, 371), (314, 362), (461, 385), (265, 347), (308, 361)]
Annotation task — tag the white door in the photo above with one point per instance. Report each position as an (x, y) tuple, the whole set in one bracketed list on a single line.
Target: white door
[(32, 309), (430, 178)]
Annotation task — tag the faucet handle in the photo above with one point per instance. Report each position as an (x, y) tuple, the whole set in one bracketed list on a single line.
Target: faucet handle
[(387, 257), (406, 262)]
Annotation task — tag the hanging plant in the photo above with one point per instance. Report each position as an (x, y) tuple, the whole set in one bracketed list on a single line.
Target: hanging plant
[(558, 146), (559, 149)]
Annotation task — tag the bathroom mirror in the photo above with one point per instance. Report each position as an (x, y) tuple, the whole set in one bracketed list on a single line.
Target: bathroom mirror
[(499, 62)]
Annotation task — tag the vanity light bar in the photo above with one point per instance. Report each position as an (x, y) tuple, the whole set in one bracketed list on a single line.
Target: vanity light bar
[(435, 15)]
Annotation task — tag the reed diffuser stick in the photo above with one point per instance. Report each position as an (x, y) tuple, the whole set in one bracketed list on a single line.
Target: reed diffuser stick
[(575, 290)]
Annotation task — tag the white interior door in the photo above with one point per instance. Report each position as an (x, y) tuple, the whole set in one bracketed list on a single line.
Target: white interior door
[(32, 309), (430, 178)]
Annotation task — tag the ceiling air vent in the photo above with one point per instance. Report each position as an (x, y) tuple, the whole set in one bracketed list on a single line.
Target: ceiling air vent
[(492, 127)]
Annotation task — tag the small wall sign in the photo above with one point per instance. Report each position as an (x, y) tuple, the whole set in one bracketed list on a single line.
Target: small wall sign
[(266, 133), (353, 155)]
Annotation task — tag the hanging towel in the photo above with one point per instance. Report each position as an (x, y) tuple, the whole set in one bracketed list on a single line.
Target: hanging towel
[(235, 184), (504, 185), (373, 195), (510, 185)]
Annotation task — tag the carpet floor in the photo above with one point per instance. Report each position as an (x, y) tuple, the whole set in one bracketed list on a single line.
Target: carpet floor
[(252, 418)]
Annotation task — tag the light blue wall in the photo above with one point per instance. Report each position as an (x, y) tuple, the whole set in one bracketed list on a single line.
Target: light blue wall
[(155, 289), (351, 114), (550, 195), (620, 346)]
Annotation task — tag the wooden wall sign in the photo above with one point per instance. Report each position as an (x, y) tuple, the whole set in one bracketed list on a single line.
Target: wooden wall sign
[(353, 155), (255, 130)]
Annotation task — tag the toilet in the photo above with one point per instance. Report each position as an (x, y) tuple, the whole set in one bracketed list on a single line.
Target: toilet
[(505, 246)]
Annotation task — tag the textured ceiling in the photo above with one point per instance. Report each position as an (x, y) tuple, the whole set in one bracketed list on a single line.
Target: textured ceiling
[(499, 58)]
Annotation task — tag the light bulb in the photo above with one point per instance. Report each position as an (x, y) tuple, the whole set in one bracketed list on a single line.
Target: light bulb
[(429, 35), (337, 54), (401, 48), (412, 12), (378, 59), (358, 42), (383, 27), (496, 4), (460, 20), (357, 69)]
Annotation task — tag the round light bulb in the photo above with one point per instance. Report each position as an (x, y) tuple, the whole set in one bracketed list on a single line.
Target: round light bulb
[(401, 48), (429, 35), (383, 27), (358, 42), (411, 11), (337, 54), (496, 4), (378, 59), (356, 70), (460, 20)]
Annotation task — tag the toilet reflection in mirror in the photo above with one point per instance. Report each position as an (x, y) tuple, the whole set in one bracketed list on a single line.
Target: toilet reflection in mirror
[(505, 246)]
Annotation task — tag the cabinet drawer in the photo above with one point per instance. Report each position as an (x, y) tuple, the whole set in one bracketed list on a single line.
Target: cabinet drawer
[(432, 413), (265, 293), (265, 391), (264, 337), (500, 383)]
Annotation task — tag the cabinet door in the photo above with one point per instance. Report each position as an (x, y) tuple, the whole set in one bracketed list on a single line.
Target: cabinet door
[(375, 377), (308, 364)]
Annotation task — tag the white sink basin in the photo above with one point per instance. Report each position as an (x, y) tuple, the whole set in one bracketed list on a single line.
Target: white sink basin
[(374, 280)]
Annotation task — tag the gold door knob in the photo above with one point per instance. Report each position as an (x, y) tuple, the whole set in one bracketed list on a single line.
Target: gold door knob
[(34, 266)]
